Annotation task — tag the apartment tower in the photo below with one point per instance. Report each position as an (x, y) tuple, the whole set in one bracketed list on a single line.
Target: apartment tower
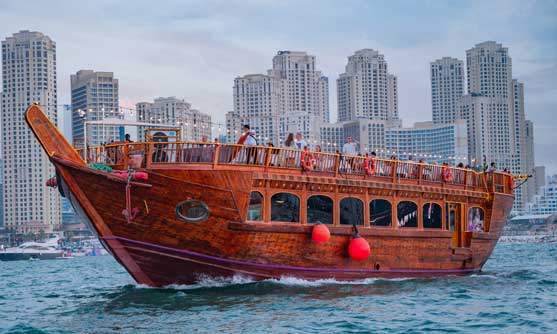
[(29, 76)]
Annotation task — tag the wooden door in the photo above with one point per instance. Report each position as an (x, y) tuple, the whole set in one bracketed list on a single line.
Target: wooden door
[(454, 223)]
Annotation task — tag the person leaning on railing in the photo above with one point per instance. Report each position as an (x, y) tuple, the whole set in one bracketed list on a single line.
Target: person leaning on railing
[(349, 148), (288, 156), (273, 161)]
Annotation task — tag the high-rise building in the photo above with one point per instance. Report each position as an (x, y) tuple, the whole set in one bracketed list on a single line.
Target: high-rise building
[(392, 97), (171, 111), (29, 75), (432, 143), (303, 88), (447, 87), (502, 130), (545, 202), (489, 136), (94, 98), (234, 126), (489, 70), (292, 97), (523, 153), (366, 89), (539, 177), (256, 103)]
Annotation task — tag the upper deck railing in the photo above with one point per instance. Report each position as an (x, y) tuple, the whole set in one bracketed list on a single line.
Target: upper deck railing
[(216, 155)]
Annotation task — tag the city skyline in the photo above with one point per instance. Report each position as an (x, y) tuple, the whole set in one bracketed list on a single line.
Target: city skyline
[(206, 46)]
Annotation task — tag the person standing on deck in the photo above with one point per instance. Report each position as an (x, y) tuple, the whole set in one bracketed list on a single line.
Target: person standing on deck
[(287, 157), (300, 143), (350, 148), (492, 168), (251, 152)]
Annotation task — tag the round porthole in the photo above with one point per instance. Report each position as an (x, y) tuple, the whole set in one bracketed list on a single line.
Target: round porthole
[(192, 211)]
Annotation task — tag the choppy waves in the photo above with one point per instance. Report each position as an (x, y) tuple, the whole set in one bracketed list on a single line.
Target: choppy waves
[(516, 293)]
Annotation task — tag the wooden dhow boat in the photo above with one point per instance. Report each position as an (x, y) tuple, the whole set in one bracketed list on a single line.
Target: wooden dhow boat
[(179, 212)]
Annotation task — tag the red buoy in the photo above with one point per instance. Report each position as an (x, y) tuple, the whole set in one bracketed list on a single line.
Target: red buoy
[(141, 176), (137, 176), (52, 182), (320, 233), (359, 248)]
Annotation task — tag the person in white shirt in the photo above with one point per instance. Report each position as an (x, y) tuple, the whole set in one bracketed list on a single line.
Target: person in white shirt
[(250, 137), (300, 143), (351, 146)]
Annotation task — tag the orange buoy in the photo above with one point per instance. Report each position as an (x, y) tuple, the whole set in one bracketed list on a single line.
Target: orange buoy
[(358, 249), (320, 233)]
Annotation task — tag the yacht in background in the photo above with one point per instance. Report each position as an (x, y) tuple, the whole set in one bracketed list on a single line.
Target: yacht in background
[(33, 250)]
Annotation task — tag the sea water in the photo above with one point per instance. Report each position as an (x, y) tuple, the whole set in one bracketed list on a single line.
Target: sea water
[(515, 293)]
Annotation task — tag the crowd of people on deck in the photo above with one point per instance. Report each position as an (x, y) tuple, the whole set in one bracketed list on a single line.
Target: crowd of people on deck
[(351, 148), (295, 141)]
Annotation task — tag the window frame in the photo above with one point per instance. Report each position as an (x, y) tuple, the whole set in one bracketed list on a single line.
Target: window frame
[(443, 227), (417, 215), (271, 207), (262, 207), (483, 214), (391, 215), (363, 222), (332, 206)]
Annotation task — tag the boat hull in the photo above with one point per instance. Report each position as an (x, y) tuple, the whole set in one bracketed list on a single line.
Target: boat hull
[(159, 249), (165, 266), (28, 256)]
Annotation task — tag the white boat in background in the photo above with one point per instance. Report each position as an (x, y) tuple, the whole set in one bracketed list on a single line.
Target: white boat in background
[(32, 250)]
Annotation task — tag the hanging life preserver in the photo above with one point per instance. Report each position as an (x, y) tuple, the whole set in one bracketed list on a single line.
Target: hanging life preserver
[(308, 160), (447, 174), (369, 165)]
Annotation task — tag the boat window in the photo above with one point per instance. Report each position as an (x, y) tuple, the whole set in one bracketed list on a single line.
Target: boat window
[(192, 211), (380, 212), (255, 208), (407, 214), (351, 211), (319, 209), (432, 215), (476, 219), (285, 207)]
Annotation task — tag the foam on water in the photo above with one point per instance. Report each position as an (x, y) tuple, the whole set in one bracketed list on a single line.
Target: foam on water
[(219, 282), (515, 294)]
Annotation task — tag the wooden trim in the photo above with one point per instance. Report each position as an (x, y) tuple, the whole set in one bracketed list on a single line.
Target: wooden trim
[(342, 230)]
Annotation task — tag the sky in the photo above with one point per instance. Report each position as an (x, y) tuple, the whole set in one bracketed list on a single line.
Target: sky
[(195, 49)]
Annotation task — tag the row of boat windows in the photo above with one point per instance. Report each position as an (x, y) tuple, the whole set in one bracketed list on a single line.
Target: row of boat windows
[(285, 207)]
